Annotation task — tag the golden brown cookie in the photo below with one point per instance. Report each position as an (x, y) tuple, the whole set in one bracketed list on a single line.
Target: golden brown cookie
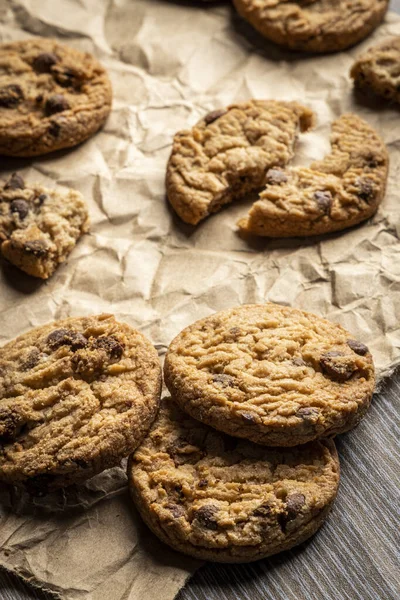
[(274, 375), (228, 153), (314, 25), (227, 500), (51, 97), (378, 70), (76, 396), (342, 190), (39, 227)]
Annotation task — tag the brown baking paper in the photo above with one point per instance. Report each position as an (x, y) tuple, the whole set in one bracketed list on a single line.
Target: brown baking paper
[(170, 63)]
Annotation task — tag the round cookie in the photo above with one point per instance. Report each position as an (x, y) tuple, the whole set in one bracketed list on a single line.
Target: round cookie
[(51, 97), (228, 153), (218, 498), (342, 190), (313, 25), (274, 375), (39, 227), (378, 70), (76, 396)]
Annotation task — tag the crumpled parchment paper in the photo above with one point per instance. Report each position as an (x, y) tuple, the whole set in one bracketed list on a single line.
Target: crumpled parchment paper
[(170, 62)]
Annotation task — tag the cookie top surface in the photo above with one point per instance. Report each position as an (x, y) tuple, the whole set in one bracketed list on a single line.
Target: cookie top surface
[(314, 25), (39, 226), (51, 97), (76, 396), (340, 191), (223, 499), (228, 153), (275, 375), (378, 69)]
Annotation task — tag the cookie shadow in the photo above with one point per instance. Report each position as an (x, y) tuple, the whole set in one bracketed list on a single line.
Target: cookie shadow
[(366, 98), (20, 281)]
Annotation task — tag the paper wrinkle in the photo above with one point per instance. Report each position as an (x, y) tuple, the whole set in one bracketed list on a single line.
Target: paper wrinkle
[(170, 63)]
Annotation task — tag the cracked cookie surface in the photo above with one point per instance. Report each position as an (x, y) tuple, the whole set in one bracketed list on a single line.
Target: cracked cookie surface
[(39, 227), (378, 69), (274, 375), (76, 396), (51, 97), (228, 152), (228, 500), (342, 190), (313, 25)]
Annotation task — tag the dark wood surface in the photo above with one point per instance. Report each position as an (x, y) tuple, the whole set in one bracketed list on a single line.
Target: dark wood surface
[(353, 557)]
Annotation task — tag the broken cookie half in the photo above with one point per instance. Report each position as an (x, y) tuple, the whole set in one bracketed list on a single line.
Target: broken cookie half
[(378, 70), (39, 227)]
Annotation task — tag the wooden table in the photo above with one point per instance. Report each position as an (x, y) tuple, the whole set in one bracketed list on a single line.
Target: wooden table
[(351, 558)]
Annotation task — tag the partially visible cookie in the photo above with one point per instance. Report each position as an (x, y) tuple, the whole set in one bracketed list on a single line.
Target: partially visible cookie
[(228, 153), (227, 500), (51, 97), (274, 375), (314, 25), (38, 226), (342, 190), (76, 396), (378, 70)]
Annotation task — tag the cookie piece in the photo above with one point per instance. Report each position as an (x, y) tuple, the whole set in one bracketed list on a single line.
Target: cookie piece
[(38, 226), (274, 375), (378, 70), (313, 25), (228, 500), (340, 191), (76, 396), (51, 97), (228, 153)]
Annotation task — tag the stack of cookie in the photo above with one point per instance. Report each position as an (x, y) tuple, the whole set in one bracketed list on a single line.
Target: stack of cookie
[(240, 463)]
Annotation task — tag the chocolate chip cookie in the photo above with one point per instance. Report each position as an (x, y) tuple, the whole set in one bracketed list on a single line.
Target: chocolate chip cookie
[(228, 153), (378, 70), (228, 500), (76, 396), (313, 25), (342, 190), (274, 375), (38, 226), (51, 97)]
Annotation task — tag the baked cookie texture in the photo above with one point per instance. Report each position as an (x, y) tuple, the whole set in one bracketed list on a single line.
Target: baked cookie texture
[(38, 226), (51, 97), (228, 153), (342, 190), (274, 375), (76, 396), (223, 499), (378, 69), (314, 25)]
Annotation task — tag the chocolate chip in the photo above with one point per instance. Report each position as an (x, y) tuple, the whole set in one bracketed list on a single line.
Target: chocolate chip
[(31, 361), (176, 510), (248, 417), (56, 104), (110, 344), (15, 183), (264, 510), (308, 413), (324, 201), (203, 483), (276, 176), (44, 61), (54, 129), (20, 206), (358, 347), (66, 337), (235, 331), (38, 248), (299, 362), (294, 504), (366, 189), (205, 516), (11, 95), (66, 77), (371, 160), (223, 380), (337, 365), (214, 115), (42, 199)]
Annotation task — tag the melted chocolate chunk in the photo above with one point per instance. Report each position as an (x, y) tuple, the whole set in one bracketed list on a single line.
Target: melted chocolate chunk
[(264, 511), (38, 248), (214, 115), (41, 199), (11, 95), (110, 344), (203, 483), (176, 510), (299, 362), (54, 129), (358, 347), (15, 183), (248, 417), (324, 201), (66, 337), (44, 61), (337, 366), (56, 104), (66, 77), (20, 206), (294, 504), (31, 361), (223, 380), (366, 190), (308, 413), (276, 176), (206, 517)]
